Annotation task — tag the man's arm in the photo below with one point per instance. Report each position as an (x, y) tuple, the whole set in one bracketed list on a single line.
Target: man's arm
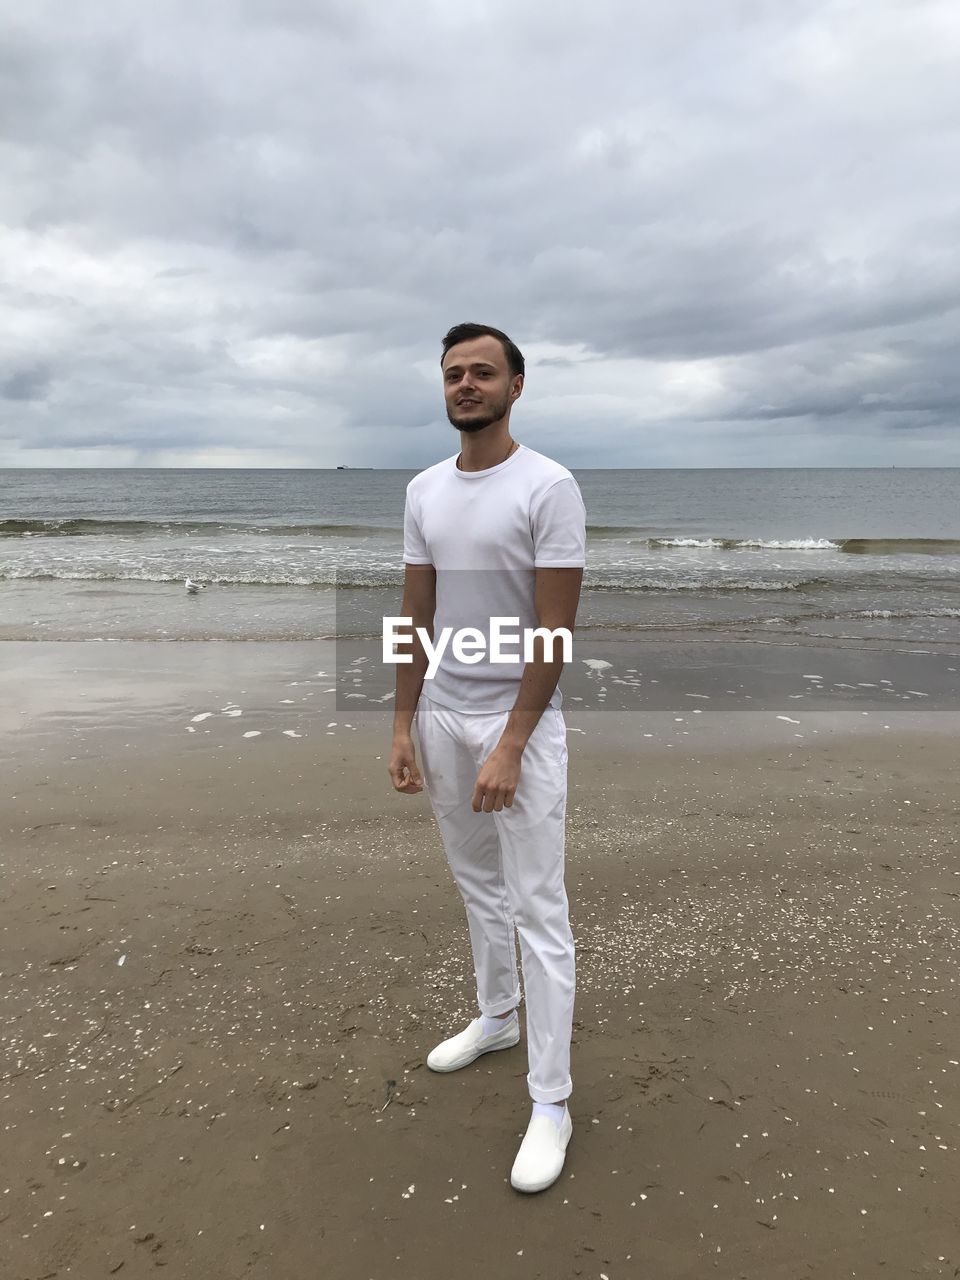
[(419, 604), (556, 598)]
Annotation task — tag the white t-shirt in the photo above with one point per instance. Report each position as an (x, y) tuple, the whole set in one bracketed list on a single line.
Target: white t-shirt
[(485, 533)]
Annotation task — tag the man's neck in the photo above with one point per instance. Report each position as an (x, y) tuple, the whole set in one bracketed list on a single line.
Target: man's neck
[(482, 458)]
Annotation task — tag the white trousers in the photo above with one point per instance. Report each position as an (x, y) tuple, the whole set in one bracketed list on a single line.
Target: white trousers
[(508, 867)]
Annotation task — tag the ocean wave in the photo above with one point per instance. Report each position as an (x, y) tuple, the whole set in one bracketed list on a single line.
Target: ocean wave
[(848, 546), (901, 546), (743, 544), (847, 615), (702, 584), (789, 544), (359, 578), (81, 528), (67, 528), (885, 614), (280, 579), (684, 542)]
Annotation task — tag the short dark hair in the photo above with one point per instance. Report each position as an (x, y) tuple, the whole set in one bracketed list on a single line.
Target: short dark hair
[(464, 332)]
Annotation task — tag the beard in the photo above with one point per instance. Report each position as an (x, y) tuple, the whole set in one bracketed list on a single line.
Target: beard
[(481, 418)]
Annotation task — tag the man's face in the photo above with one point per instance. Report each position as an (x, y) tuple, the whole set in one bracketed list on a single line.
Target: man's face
[(477, 385)]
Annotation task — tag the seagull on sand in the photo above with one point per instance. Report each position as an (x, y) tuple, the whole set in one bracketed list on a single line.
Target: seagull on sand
[(194, 587)]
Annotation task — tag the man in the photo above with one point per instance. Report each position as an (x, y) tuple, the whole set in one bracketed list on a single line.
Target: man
[(497, 532)]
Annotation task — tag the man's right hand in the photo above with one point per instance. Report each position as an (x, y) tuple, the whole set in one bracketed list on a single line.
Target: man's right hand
[(403, 765)]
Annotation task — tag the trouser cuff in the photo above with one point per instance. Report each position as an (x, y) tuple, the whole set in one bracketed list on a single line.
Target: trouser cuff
[(550, 1095), (493, 1009)]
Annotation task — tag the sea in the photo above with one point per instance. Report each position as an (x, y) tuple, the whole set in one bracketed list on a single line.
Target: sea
[(862, 554)]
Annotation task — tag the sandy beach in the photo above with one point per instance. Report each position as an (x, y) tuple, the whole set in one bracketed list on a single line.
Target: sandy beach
[(225, 958)]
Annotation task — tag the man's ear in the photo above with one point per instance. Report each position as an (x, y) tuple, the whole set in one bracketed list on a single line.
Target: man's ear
[(517, 386)]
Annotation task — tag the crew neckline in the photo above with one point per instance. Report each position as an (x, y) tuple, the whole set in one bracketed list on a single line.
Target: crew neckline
[(487, 471)]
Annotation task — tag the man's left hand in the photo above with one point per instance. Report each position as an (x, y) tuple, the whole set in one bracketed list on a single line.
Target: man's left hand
[(497, 781)]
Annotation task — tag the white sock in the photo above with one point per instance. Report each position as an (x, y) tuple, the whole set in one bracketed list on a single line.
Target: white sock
[(554, 1110), (492, 1025)]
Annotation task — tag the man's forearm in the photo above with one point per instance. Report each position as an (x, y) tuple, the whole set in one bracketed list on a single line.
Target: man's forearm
[(539, 680), (410, 677)]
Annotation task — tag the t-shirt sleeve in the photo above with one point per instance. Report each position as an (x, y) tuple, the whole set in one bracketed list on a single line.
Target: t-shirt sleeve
[(559, 526), (414, 547)]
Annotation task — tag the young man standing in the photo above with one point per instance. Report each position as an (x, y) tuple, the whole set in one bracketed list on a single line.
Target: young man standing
[(497, 532)]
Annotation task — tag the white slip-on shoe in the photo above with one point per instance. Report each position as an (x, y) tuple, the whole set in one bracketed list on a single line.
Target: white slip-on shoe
[(539, 1161), (460, 1050)]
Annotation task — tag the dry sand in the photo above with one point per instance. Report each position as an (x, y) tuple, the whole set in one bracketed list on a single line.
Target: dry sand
[(225, 959)]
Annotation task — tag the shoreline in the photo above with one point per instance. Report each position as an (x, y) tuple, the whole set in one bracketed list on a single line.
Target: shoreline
[(111, 610)]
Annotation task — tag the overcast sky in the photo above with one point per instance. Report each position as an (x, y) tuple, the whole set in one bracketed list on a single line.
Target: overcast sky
[(723, 234)]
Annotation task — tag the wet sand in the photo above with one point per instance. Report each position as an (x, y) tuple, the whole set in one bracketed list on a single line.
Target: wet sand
[(225, 958)]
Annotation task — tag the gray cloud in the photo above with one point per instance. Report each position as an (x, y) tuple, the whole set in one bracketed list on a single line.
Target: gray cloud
[(721, 234), (29, 383)]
